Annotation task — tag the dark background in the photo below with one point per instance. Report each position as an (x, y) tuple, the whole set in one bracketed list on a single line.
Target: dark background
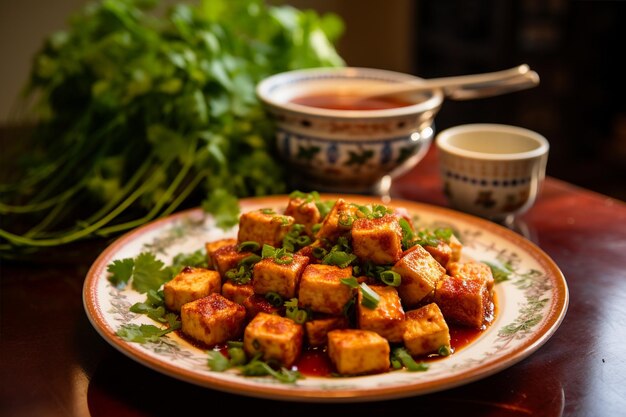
[(577, 48)]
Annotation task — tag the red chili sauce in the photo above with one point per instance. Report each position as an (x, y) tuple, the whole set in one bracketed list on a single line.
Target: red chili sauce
[(350, 102)]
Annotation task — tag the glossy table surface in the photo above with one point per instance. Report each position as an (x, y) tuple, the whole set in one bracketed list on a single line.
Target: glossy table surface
[(53, 363)]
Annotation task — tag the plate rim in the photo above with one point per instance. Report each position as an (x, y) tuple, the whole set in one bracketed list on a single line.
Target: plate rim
[(554, 316)]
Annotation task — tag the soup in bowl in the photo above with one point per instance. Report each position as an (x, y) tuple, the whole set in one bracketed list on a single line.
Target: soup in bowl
[(336, 137)]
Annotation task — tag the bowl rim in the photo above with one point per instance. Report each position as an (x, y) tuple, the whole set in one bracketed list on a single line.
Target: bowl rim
[(442, 141), (264, 93)]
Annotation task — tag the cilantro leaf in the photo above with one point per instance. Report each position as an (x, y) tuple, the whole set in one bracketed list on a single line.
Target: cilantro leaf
[(142, 333), (121, 270), (149, 273), (224, 207)]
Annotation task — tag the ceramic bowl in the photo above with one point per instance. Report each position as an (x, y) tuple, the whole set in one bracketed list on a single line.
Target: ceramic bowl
[(347, 150)]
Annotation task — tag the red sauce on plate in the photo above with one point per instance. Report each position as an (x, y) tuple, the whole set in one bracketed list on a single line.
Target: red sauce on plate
[(350, 102)]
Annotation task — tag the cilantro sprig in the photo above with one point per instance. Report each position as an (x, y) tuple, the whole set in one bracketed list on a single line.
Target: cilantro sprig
[(237, 358), (143, 111)]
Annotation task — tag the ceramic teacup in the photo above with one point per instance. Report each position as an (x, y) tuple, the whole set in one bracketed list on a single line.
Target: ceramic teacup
[(493, 171)]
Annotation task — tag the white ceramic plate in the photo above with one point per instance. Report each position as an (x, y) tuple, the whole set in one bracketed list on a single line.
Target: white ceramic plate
[(531, 306)]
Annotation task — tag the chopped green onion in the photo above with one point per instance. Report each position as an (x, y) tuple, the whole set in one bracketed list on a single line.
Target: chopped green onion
[(248, 246), (300, 316), (345, 220), (274, 299), (401, 355), (370, 297), (444, 350), (249, 260), (391, 278), (267, 211), (294, 313), (350, 282), (319, 252), (285, 259)]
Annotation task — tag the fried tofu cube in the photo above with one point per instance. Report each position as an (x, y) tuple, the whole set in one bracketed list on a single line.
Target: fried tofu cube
[(276, 338), (189, 285), (213, 319), (317, 329), (387, 319), (264, 227), (211, 247), (467, 302), (356, 352), (237, 292), (420, 273), (321, 288), (442, 252), (228, 257), (283, 279), (446, 252), (338, 221), (426, 330), (256, 304), (472, 270), (304, 212), (378, 240)]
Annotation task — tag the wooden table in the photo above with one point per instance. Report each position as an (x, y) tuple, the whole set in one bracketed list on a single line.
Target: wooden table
[(53, 363)]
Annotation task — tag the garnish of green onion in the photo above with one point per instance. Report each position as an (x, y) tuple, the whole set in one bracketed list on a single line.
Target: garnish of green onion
[(248, 246), (274, 299), (370, 297), (444, 350), (391, 278), (400, 355), (350, 282)]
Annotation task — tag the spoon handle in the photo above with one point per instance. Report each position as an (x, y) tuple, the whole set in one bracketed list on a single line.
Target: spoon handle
[(466, 87)]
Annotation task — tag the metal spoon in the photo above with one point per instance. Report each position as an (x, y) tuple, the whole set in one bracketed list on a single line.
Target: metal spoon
[(467, 87)]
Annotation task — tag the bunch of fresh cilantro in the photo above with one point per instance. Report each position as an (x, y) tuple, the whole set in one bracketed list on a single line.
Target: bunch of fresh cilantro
[(142, 111)]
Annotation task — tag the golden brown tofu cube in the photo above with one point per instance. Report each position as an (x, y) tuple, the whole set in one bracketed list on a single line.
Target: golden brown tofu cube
[(237, 292), (442, 252), (426, 330), (256, 304), (264, 227), (317, 329), (303, 212), (420, 273), (275, 337), (387, 319), (463, 301), (283, 279), (377, 240), (189, 285), (321, 288), (446, 252), (228, 257), (213, 319), (338, 221), (472, 270), (356, 352), (211, 247)]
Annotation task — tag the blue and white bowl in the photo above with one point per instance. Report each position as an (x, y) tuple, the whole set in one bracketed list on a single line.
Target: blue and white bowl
[(347, 151)]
